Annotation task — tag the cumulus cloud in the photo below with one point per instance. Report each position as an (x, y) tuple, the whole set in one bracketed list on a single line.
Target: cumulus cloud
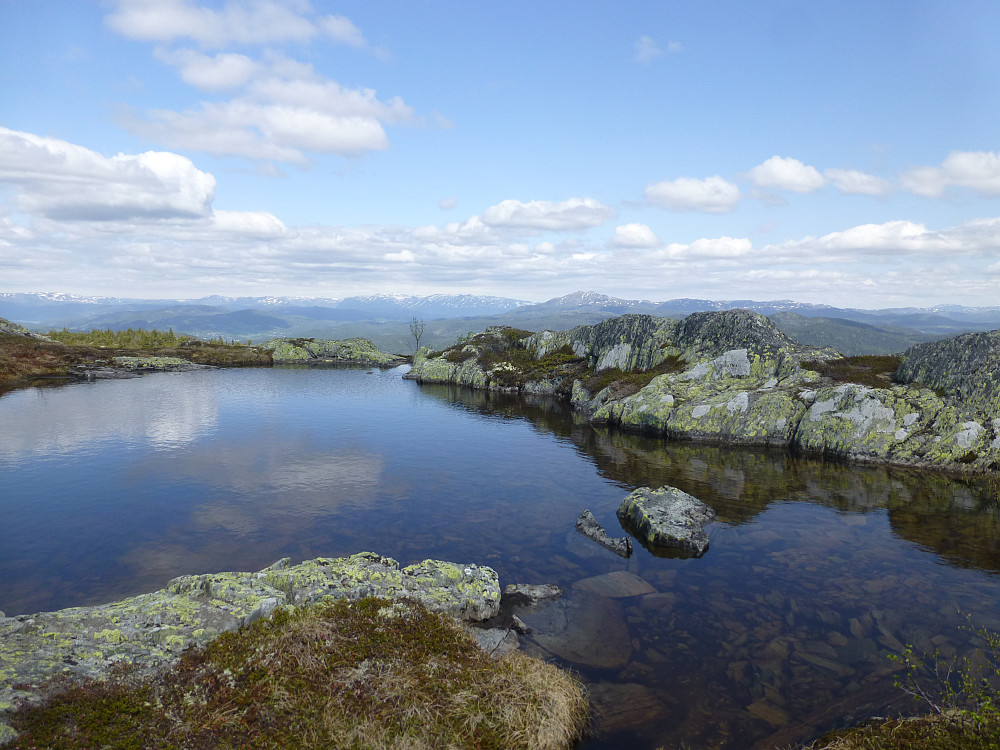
[(286, 111), (896, 238), (210, 72), (634, 235), (716, 247), (854, 182), (786, 173), (976, 170), (63, 181), (711, 195), (574, 214), (253, 22)]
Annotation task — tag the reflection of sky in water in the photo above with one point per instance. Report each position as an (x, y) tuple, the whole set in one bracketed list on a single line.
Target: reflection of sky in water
[(149, 410), (113, 488)]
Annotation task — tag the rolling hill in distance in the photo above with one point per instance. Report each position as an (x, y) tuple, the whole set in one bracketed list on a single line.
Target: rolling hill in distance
[(384, 318)]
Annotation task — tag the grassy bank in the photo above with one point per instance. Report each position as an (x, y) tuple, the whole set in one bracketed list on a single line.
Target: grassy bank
[(24, 359), (368, 674)]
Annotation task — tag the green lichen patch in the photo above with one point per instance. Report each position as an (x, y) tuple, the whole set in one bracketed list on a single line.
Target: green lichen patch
[(365, 674)]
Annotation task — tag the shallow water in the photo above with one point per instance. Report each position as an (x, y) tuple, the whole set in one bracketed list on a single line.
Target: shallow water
[(816, 573)]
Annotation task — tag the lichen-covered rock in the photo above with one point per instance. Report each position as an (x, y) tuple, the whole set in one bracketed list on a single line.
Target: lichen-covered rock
[(628, 342), (966, 367), (151, 630), (733, 377), (158, 364), (354, 351), (667, 519)]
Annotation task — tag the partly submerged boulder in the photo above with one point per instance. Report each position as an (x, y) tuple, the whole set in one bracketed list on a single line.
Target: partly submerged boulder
[(587, 525), (151, 630), (355, 351), (667, 520)]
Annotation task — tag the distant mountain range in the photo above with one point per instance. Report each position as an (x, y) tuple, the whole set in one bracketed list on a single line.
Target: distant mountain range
[(385, 318)]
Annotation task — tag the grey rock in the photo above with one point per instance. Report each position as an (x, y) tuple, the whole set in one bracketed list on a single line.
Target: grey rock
[(587, 525), (667, 519)]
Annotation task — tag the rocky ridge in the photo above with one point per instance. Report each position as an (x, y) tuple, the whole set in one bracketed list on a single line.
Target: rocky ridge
[(355, 351), (733, 377)]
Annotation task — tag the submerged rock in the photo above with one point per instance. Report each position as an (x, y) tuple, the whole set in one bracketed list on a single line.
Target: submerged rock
[(587, 525), (354, 351), (150, 631), (667, 519)]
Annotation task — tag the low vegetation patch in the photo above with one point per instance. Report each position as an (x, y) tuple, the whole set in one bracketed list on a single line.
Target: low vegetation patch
[(368, 674), (128, 339), (625, 384), (962, 695), (874, 371), (23, 358)]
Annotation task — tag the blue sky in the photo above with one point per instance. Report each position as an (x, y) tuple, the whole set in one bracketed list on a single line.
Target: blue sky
[(844, 153)]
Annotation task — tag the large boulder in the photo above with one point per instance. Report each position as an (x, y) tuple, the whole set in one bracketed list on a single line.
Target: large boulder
[(150, 631), (667, 520), (355, 351)]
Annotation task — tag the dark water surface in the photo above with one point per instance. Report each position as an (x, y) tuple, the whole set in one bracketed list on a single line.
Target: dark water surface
[(816, 572)]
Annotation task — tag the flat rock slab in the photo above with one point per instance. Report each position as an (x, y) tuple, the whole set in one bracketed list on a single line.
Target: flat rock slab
[(667, 520), (151, 630), (619, 584), (584, 629)]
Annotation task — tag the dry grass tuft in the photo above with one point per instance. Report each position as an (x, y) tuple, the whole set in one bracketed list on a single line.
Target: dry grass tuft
[(368, 674)]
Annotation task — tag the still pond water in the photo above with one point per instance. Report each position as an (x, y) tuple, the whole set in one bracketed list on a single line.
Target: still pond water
[(816, 572)]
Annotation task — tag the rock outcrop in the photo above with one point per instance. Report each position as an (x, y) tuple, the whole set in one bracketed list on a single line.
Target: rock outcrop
[(150, 631), (15, 329), (355, 351), (667, 520), (732, 377), (965, 367)]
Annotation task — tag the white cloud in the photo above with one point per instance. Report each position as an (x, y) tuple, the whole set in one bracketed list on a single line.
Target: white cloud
[(895, 238), (716, 247), (711, 195), (446, 204), (786, 174), (285, 112), (854, 182), (634, 235), (250, 22), (210, 72), (574, 214), (976, 170), (63, 181), (646, 50)]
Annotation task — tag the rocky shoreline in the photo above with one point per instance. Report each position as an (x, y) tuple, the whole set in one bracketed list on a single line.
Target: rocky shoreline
[(731, 377), (150, 632)]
